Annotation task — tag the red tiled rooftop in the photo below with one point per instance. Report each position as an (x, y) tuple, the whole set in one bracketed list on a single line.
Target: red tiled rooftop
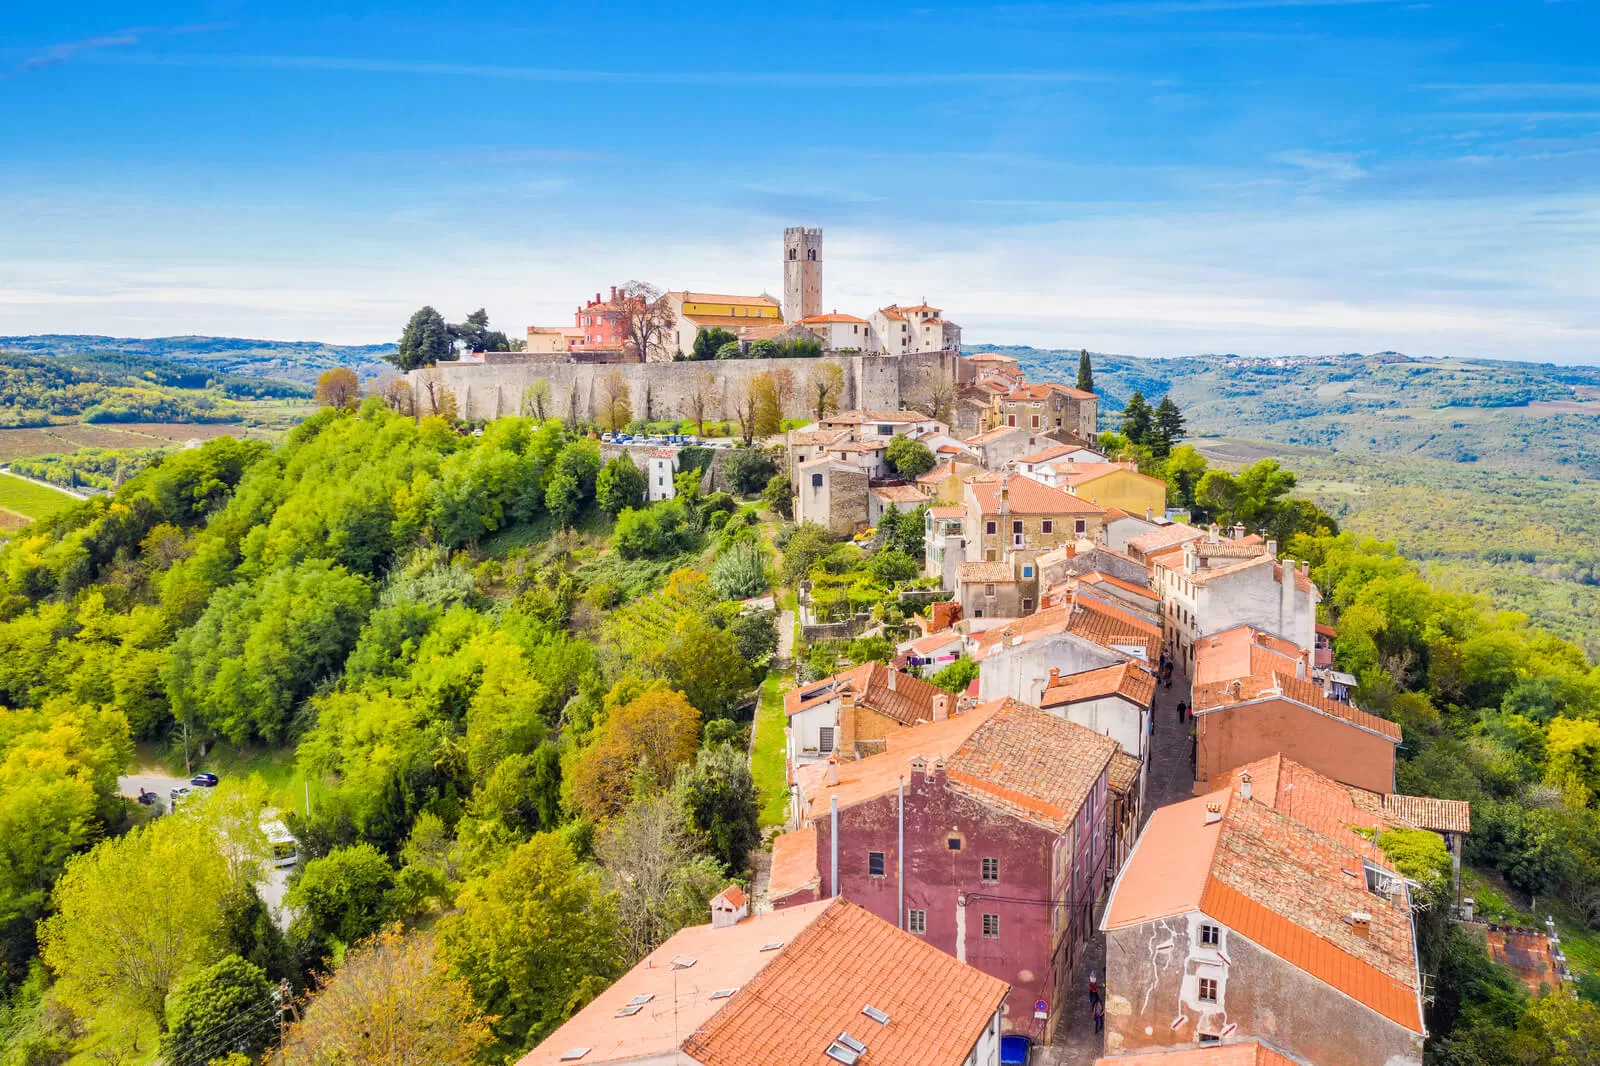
[(1220, 695), (1129, 680), (1092, 619), (1037, 765), (1025, 496), (794, 863), (1246, 1054), (908, 701), (1241, 652)]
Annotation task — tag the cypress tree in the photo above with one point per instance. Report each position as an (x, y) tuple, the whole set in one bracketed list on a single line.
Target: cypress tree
[(1136, 419), (1168, 427), (1085, 372)]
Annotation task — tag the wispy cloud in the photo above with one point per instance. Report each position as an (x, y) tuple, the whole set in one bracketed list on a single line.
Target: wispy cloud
[(1331, 166), (567, 75), (1201, 7), (1532, 90), (56, 54)]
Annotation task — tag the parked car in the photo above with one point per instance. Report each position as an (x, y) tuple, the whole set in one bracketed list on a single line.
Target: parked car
[(608, 436), (204, 780), (179, 793), (1014, 1050)]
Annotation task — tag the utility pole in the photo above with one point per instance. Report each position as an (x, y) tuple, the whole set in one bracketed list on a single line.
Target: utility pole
[(188, 769)]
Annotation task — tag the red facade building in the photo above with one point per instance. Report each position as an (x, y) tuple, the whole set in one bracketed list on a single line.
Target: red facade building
[(602, 323), (987, 834)]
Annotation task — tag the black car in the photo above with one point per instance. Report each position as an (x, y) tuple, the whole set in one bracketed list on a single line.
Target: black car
[(204, 780)]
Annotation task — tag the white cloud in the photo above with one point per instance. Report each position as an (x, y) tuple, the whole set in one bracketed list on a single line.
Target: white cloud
[(1334, 166)]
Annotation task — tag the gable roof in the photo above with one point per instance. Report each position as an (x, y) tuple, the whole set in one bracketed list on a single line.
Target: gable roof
[(1082, 616), (1242, 651), (1054, 451), (835, 316), (1430, 812), (996, 433), (1024, 495), (794, 863), (1083, 473), (1100, 577), (1123, 773), (1163, 537), (722, 298), (906, 699), (1128, 680), (816, 988), (1038, 766), (1041, 389), (1220, 696), (1281, 885)]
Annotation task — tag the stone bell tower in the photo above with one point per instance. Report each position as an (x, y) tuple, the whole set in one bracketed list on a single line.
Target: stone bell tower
[(802, 273)]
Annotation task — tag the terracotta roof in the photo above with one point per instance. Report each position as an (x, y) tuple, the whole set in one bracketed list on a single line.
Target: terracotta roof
[(939, 473), (909, 702), (1243, 651), (724, 321), (1024, 495), (815, 989), (1129, 680), (1165, 537), (1038, 766), (663, 453), (921, 307), (1326, 630), (947, 511), (856, 417), (1123, 773), (1219, 696), (934, 322), (933, 641), (1042, 389), (995, 434), (980, 571), (733, 896), (724, 958), (991, 357), (1047, 454), (892, 314), (1248, 1054), (899, 494), (817, 436), (1099, 577), (859, 446), (1427, 812), (834, 317), (1085, 617), (1281, 885), (794, 863)]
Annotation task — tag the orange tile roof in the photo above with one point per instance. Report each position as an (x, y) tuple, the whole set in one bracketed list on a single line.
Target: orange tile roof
[(1024, 495), (794, 863), (947, 511), (1082, 616), (1220, 695), (991, 357), (908, 702), (898, 494), (1241, 652), (1083, 473), (921, 307), (1246, 1054), (1428, 812), (719, 298), (733, 896), (986, 572), (1129, 680), (995, 434), (1123, 773), (834, 317), (1281, 885), (1034, 764), (858, 416), (816, 988), (1164, 537), (1100, 577), (1042, 389), (724, 958), (1047, 454), (892, 314)]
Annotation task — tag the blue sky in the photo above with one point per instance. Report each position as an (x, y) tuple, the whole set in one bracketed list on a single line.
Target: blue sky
[(1155, 177)]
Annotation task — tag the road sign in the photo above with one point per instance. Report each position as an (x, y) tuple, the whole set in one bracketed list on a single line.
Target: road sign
[(1042, 1007)]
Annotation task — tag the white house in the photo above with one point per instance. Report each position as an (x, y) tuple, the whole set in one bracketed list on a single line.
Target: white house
[(1114, 701), (840, 332), (1077, 636), (1219, 584), (661, 466)]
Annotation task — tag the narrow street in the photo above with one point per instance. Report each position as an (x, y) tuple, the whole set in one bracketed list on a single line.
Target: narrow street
[(1170, 780)]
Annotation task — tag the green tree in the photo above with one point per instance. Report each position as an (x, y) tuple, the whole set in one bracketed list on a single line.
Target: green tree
[(749, 470), (619, 485), (1168, 428), (705, 664), (343, 894), (1137, 419), (660, 879), (1559, 1029), (730, 350), (645, 739), (133, 914), (909, 458), (652, 532), (474, 335), (535, 939), (803, 549), (1085, 372), (226, 1008), (956, 676), (708, 342), (778, 497), (425, 341), (1182, 471), (719, 797)]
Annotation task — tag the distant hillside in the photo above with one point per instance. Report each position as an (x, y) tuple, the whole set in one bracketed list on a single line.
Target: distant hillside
[(298, 361), (1504, 415)]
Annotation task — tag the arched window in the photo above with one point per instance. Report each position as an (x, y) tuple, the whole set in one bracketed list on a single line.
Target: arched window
[(791, 253), (811, 254)]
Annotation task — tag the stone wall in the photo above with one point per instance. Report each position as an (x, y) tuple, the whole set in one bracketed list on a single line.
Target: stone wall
[(658, 391)]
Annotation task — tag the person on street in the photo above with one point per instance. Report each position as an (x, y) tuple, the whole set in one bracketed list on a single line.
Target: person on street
[(1094, 988), (1183, 711), (1099, 1016)]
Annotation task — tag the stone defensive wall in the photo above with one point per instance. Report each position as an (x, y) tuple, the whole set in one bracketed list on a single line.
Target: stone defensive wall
[(658, 391)]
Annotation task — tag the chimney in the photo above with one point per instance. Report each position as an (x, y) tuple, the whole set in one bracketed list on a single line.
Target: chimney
[(1361, 924), (1236, 688), (1272, 548), (729, 907), (1466, 908), (847, 726), (1055, 676), (1005, 506), (1211, 533), (1191, 558), (1147, 515), (1213, 812), (941, 707), (613, 294), (936, 768), (1244, 785), (893, 673), (1286, 612), (833, 769), (1238, 531)]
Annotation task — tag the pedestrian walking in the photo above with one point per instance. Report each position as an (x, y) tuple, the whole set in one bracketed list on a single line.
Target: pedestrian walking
[(1094, 988), (1099, 1016), (1183, 711)]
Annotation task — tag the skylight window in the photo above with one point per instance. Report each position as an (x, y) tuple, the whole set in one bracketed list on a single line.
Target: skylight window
[(881, 1017), (852, 1043), (723, 993), (630, 1010), (683, 962), (840, 1053), (774, 946), (574, 1054), (639, 1001)]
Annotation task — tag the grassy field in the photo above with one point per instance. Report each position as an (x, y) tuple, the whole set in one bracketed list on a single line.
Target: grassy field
[(767, 762), (30, 501), (51, 440)]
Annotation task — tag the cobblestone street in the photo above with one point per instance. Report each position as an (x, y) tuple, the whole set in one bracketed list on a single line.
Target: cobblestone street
[(1076, 1043)]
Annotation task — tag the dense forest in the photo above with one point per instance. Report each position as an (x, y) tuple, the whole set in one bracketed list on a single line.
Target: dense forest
[(519, 698), (37, 391)]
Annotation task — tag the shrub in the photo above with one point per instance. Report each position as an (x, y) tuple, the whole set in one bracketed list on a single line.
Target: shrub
[(740, 571), (749, 469)]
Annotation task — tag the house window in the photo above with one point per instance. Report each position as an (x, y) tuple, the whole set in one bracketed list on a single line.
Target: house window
[(1208, 988), (1079, 526), (825, 739), (660, 481), (953, 843), (1016, 528), (988, 589), (978, 613), (991, 926), (885, 431), (1027, 571), (991, 528), (1210, 935), (916, 921), (1047, 526), (1035, 421), (991, 870), (816, 481), (1027, 606), (875, 863), (1011, 420)]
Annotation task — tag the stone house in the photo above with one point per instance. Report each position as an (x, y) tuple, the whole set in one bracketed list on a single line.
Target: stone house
[(840, 333), (1083, 557), (851, 713), (1142, 546), (1121, 527), (996, 590), (985, 834), (1113, 590), (1082, 634), (822, 982), (904, 330), (1012, 515), (1230, 1052), (1214, 584), (999, 446), (900, 495), (1049, 406), (804, 445), (831, 494), (1250, 718), (868, 456), (1235, 920)]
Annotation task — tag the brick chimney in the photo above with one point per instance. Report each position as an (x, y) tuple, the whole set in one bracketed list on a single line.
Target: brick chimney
[(1361, 924), (1244, 785), (941, 707), (847, 725), (936, 769), (1055, 676), (833, 769)]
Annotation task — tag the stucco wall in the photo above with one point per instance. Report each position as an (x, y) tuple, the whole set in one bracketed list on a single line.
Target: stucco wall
[(1111, 716), (1242, 733), (1251, 597), (1021, 672), (1149, 989)]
